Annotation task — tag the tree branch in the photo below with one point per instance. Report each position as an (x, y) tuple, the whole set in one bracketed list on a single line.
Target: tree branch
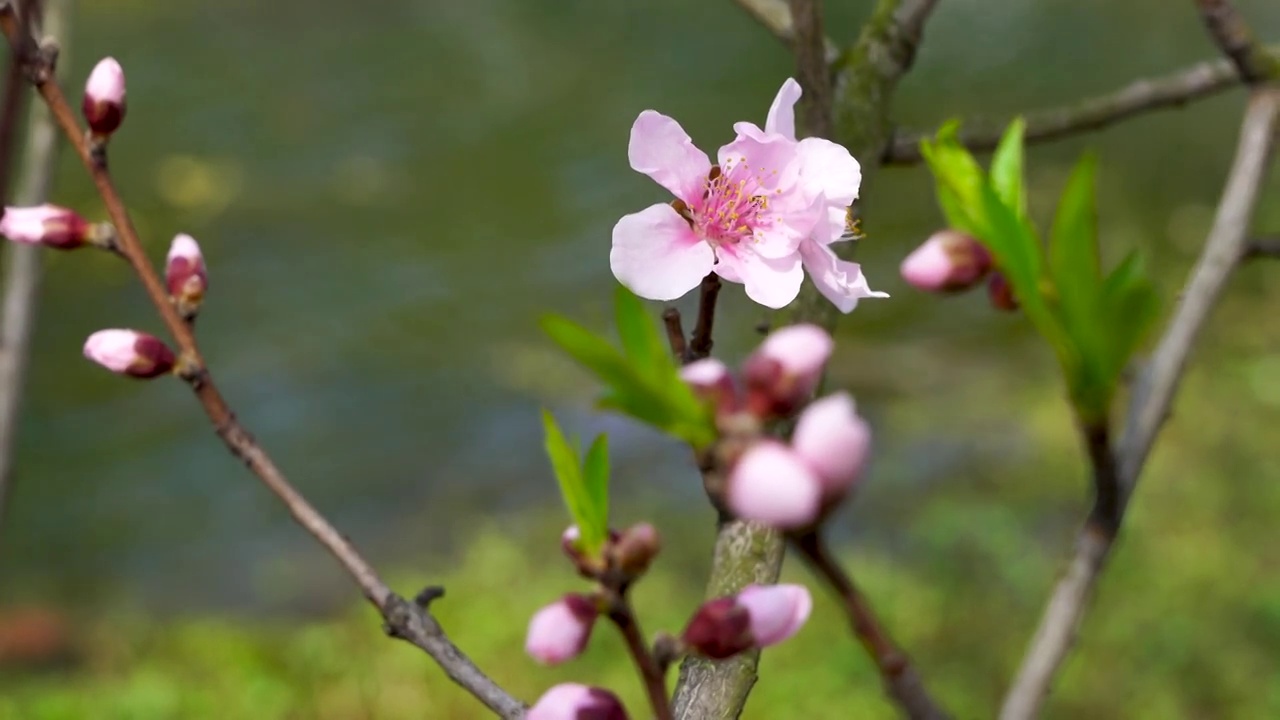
[(701, 342), (404, 620), (1151, 400), (1232, 35), (1267, 246), (775, 16), (900, 678), (1175, 90), (22, 266), (811, 67)]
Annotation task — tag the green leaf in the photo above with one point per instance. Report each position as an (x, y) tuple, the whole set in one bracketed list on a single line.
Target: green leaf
[(641, 340), (1073, 243), (579, 499), (1006, 168), (595, 475)]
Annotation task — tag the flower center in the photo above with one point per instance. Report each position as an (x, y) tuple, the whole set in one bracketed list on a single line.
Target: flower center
[(735, 204)]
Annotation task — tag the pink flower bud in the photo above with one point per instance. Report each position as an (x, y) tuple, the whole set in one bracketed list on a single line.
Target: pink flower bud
[(1001, 293), (46, 224), (711, 380), (720, 629), (185, 274), (104, 102), (129, 352), (776, 611), (833, 441), (560, 631), (772, 485), (571, 701), (785, 370), (758, 616), (949, 261)]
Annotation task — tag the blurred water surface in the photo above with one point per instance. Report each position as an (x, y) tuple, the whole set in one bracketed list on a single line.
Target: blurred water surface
[(389, 195)]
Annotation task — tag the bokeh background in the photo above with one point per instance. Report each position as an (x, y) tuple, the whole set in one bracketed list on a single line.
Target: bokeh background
[(389, 195)]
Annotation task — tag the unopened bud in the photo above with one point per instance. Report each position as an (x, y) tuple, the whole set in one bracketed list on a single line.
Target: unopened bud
[(786, 369), (710, 380), (1000, 292), (559, 631), (185, 275), (571, 701), (636, 548), (758, 616), (129, 352), (834, 442), (46, 224), (104, 98), (949, 261), (771, 484)]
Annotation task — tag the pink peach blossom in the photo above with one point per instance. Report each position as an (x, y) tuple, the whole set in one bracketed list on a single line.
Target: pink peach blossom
[(776, 612), (129, 352), (104, 97), (772, 485), (833, 441), (560, 631), (949, 261), (46, 224)]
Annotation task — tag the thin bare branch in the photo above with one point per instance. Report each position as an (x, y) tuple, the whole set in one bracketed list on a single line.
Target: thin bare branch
[(1232, 35), (912, 16), (1171, 91), (1267, 246), (900, 678), (701, 342), (22, 262), (811, 68), (775, 16), (675, 334), (405, 620), (1152, 399)]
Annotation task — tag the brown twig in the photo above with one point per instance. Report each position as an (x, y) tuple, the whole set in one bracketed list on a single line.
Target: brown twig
[(701, 342), (651, 672), (22, 262), (1151, 401), (1267, 246), (404, 620), (900, 678), (811, 67), (1175, 90), (675, 333), (775, 16), (1232, 35)]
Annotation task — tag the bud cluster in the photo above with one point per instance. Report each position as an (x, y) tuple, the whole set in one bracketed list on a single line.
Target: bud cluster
[(788, 485), (951, 262)]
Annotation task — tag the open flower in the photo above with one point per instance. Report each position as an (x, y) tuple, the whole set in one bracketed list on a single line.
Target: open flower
[(826, 174)]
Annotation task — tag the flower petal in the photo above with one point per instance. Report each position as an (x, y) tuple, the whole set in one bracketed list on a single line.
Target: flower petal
[(661, 149), (829, 169), (771, 282), (777, 611), (840, 282), (782, 115), (657, 255), (770, 484)]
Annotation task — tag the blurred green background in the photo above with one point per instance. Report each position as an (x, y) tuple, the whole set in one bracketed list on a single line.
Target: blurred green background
[(389, 194)]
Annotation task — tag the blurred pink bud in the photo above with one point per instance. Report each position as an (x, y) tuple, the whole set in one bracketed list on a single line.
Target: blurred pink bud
[(949, 261), (1001, 293), (719, 629), (833, 441), (129, 352), (635, 549), (104, 102), (185, 274), (560, 631), (710, 379), (46, 224), (776, 611), (758, 616), (785, 370), (772, 485), (571, 701)]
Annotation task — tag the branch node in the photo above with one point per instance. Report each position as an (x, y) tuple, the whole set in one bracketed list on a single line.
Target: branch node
[(428, 595)]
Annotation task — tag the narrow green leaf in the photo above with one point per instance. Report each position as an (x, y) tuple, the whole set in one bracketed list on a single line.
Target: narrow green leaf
[(1006, 168), (595, 473), (573, 487), (592, 351), (1073, 242), (641, 340)]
